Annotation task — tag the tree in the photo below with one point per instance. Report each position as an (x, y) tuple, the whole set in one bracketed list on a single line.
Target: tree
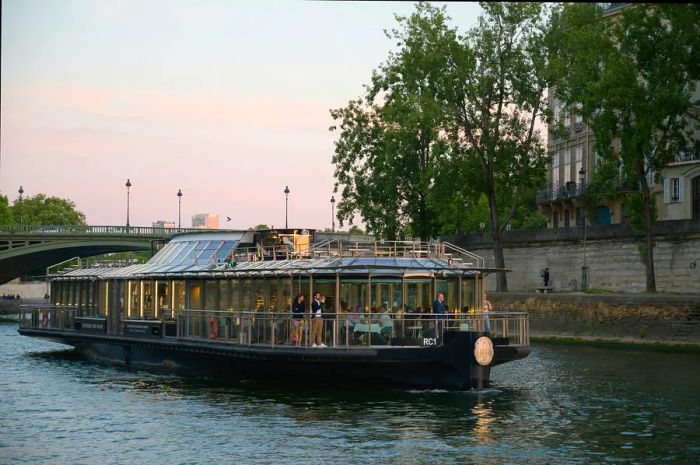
[(5, 211), (495, 89), (632, 79), (43, 210), (261, 227), (390, 142)]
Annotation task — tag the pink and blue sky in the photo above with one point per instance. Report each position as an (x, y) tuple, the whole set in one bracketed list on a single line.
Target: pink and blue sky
[(226, 100)]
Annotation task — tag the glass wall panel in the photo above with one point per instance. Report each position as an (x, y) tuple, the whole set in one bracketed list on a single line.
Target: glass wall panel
[(148, 301), (468, 293), (247, 286), (194, 291), (273, 287), (259, 286), (211, 298), (163, 293), (235, 295), (418, 295), (286, 296), (354, 293), (179, 294), (133, 308), (224, 302)]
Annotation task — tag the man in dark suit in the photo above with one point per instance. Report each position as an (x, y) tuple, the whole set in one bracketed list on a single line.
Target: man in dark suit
[(440, 312)]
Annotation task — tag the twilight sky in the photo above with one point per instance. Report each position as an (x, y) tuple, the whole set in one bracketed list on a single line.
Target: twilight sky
[(226, 100)]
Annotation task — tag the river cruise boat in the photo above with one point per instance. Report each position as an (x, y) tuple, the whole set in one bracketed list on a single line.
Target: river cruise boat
[(221, 302)]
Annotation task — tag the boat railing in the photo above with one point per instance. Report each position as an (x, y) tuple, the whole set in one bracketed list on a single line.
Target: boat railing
[(273, 329), (333, 248)]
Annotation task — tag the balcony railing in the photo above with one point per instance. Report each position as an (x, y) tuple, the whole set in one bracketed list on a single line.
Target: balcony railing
[(277, 329), (554, 192)]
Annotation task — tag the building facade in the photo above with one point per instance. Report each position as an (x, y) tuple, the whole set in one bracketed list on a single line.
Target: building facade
[(205, 221), (164, 224), (574, 160)]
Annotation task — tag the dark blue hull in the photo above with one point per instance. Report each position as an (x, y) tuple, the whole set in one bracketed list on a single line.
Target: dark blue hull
[(450, 366)]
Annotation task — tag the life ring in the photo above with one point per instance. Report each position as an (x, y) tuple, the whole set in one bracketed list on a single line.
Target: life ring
[(45, 320), (213, 328)]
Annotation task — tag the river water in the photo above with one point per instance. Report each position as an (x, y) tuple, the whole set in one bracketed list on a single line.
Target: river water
[(561, 405)]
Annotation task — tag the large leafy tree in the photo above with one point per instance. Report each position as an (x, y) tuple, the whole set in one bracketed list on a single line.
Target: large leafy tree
[(5, 211), (390, 145), (43, 210), (632, 77), (494, 89)]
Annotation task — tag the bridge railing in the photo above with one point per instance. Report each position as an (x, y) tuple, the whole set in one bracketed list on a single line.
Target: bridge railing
[(60, 230)]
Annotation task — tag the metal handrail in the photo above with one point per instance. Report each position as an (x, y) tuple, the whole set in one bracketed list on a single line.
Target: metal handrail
[(339, 330), (92, 230)]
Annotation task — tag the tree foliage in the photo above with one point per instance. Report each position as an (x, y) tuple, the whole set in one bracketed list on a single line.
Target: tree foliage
[(447, 117), (632, 78), (5, 211), (43, 210)]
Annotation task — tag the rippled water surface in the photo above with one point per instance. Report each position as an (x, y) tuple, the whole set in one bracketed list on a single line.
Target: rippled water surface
[(562, 405)]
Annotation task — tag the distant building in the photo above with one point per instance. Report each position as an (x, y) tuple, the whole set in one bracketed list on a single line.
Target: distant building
[(205, 221), (574, 159), (164, 224)]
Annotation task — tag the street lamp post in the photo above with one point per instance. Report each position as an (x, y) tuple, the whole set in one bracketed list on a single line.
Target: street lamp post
[(286, 206), (128, 186), (179, 208), (20, 191), (333, 212), (584, 268)]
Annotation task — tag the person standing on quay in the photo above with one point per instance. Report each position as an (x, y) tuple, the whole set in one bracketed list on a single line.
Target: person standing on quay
[(440, 312), (317, 321)]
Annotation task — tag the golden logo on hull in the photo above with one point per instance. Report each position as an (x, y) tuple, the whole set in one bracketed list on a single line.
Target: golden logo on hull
[(483, 350)]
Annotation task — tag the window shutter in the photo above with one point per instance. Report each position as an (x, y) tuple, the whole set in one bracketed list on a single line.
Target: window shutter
[(667, 190), (680, 189)]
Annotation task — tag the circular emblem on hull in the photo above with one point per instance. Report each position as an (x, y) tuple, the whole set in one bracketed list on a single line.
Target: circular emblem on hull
[(483, 350)]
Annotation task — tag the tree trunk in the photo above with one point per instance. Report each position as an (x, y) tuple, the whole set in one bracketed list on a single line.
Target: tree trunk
[(649, 240), (501, 280)]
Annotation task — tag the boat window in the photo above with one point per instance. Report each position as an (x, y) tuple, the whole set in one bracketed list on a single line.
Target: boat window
[(194, 290), (179, 294), (355, 295), (273, 287), (211, 298), (259, 294), (148, 301), (224, 302), (235, 295), (247, 286), (468, 294), (418, 295), (286, 292)]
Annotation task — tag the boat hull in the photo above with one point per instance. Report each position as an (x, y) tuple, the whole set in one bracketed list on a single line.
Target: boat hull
[(450, 366)]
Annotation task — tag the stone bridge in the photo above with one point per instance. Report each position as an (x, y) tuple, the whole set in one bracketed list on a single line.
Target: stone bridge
[(25, 248)]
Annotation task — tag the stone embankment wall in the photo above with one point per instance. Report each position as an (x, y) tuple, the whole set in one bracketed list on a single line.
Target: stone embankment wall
[(610, 252), (627, 318), (26, 291)]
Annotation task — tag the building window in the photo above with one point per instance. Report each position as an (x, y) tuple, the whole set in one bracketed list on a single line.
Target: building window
[(579, 159), (555, 220), (673, 190), (555, 168), (567, 165)]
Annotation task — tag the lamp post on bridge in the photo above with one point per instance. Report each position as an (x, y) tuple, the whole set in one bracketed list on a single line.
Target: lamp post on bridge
[(128, 186), (584, 268), (179, 208), (286, 206), (20, 191), (333, 213)]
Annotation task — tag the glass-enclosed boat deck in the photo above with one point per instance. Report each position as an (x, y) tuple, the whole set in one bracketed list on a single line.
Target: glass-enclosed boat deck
[(237, 287)]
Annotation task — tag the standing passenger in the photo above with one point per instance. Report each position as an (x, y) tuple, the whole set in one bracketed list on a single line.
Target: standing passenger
[(487, 309), (298, 308), (440, 313), (317, 320)]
